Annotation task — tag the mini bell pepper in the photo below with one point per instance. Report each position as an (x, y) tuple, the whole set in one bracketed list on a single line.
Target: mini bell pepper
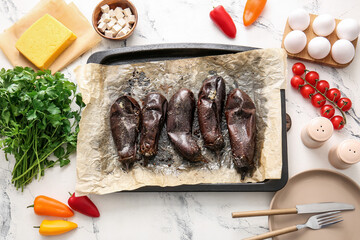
[(224, 21), (55, 227), (47, 206), (83, 205), (252, 11)]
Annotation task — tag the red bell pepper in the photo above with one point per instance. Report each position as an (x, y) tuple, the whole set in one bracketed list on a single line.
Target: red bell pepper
[(83, 205), (252, 11), (224, 21)]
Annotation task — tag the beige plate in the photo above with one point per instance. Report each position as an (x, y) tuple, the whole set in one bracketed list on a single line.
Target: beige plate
[(318, 186)]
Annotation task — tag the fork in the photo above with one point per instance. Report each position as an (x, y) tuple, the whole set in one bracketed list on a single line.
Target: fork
[(315, 222)]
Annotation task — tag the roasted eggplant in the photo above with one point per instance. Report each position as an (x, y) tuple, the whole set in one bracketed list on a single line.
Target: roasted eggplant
[(125, 117), (240, 115), (153, 115), (179, 123), (210, 106)]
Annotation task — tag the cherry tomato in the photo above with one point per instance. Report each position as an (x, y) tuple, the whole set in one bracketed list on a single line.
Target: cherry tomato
[(312, 77), (338, 122), (298, 68), (307, 91), (344, 104), (318, 100), (296, 81), (333, 94), (327, 111), (322, 86)]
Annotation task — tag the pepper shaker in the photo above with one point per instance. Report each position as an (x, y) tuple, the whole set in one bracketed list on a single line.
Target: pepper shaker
[(317, 132), (345, 154)]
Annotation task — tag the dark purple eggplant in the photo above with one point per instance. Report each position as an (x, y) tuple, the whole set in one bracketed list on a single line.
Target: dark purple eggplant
[(125, 117), (210, 106), (179, 123), (153, 115), (240, 115)]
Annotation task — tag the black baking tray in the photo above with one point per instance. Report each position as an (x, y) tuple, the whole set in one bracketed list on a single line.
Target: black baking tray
[(174, 51)]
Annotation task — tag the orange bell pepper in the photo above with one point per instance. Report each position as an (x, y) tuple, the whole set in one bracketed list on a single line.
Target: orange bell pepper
[(47, 206), (252, 11), (55, 227)]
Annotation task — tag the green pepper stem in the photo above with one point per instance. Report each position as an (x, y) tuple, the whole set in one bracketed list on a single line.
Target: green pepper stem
[(30, 206)]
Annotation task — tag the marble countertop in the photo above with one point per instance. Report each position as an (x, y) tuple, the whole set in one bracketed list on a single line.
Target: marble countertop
[(184, 216)]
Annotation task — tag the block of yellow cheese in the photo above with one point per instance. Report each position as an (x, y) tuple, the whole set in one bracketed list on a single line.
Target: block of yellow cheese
[(44, 41)]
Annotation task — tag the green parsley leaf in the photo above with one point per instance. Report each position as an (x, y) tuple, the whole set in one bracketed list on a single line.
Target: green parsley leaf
[(53, 109), (36, 113)]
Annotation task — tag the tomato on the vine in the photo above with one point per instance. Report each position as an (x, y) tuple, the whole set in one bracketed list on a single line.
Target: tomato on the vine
[(298, 68), (307, 91), (344, 104), (312, 77), (338, 122), (322, 86), (296, 81), (327, 111), (318, 100), (333, 94)]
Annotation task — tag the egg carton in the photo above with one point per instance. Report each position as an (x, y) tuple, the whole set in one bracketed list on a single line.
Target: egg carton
[(304, 55)]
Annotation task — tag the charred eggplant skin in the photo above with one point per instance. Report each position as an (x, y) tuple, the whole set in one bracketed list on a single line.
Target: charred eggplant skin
[(125, 116), (153, 116), (210, 106), (240, 115), (179, 123)]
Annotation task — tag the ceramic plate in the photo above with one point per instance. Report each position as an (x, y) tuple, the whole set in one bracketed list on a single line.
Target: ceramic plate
[(318, 186)]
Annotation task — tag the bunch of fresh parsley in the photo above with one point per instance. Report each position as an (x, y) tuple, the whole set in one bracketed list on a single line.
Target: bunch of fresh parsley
[(37, 121)]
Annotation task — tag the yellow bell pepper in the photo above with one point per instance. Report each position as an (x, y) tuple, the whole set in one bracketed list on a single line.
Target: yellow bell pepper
[(56, 227)]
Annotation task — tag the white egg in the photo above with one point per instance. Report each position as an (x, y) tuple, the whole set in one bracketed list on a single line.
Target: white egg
[(324, 25), (295, 41), (299, 19), (348, 29), (342, 51), (319, 47)]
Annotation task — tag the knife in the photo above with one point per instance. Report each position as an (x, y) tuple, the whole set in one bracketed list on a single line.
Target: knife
[(299, 209)]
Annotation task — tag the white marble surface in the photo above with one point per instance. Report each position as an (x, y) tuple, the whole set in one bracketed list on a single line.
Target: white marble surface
[(183, 216)]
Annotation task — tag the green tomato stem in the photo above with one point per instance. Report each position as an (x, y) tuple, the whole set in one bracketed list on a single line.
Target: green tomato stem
[(331, 101)]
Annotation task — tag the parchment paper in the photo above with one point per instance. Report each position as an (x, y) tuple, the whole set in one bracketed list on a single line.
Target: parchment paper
[(69, 15), (260, 73)]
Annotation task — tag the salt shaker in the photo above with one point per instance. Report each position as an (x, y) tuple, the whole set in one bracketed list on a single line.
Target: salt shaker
[(317, 132), (345, 154)]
